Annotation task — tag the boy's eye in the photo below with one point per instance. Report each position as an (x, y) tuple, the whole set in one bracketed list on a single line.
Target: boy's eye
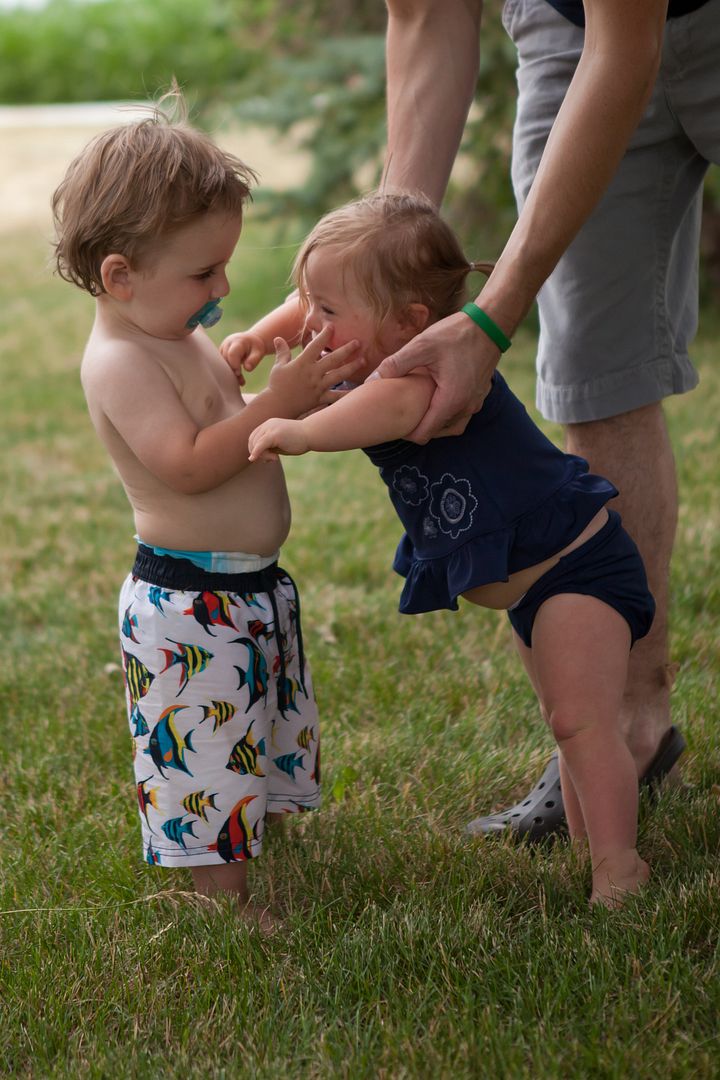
[(204, 276)]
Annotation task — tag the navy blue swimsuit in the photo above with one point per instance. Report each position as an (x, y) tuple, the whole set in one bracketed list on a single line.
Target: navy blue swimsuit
[(480, 506)]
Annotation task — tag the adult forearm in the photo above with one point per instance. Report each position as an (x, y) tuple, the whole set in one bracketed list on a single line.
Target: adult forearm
[(432, 66), (602, 108)]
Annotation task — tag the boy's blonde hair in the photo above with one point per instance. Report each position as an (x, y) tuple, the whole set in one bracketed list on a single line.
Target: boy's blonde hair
[(398, 250), (133, 185)]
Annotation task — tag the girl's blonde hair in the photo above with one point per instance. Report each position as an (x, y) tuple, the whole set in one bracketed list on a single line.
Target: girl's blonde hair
[(398, 250), (135, 184)]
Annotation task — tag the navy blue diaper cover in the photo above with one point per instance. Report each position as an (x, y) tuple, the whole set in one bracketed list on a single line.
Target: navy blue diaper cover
[(480, 506), (607, 566)]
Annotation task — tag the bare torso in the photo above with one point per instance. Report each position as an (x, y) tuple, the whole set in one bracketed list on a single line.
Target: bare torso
[(249, 512), (503, 594)]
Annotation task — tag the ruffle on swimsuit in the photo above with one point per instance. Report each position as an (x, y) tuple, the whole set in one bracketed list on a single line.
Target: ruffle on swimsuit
[(436, 583), (480, 506)]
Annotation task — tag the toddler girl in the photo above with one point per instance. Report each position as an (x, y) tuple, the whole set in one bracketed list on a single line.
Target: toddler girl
[(498, 515)]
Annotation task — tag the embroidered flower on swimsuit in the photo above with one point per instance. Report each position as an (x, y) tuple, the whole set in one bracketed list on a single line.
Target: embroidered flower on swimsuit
[(452, 504), (410, 484), (429, 528)]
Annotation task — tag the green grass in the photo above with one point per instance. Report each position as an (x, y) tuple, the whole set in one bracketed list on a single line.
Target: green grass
[(406, 951)]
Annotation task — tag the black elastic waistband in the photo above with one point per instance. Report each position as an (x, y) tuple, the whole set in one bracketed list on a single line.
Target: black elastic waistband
[(185, 576)]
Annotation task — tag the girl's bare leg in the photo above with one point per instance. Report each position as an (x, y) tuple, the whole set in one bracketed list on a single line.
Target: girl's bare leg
[(571, 802), (573, 813), (579, 662)]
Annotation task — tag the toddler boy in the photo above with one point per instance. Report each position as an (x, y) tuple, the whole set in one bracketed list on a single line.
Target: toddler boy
[(219, 694)]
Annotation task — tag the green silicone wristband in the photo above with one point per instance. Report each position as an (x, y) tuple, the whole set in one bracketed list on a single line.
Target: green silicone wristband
[(491, 328)]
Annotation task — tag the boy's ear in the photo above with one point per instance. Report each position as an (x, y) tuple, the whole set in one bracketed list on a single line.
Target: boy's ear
[(415, 318), (115, 274)]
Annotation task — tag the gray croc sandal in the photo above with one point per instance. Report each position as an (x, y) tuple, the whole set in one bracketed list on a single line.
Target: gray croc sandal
[(541, 813), (668, 752)]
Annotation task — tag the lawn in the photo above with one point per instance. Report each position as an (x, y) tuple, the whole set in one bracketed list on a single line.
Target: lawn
[(405, 950)]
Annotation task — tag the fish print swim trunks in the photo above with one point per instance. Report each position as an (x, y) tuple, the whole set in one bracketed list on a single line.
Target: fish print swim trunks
[(221, 708)]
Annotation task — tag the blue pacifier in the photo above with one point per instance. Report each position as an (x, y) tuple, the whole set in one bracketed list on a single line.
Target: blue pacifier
[(208, 315)]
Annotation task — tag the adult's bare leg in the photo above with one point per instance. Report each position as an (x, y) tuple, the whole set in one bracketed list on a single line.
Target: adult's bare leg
[(633, 450)]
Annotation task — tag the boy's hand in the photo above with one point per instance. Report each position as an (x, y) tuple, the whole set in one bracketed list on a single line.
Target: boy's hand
[(306, 381), (244, 350), (276, 437)]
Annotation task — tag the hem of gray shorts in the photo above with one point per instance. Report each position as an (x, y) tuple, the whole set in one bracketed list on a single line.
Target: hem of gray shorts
[(612, 395)]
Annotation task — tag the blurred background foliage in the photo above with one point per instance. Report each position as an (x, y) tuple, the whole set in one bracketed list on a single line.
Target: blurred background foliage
[(313, 69)]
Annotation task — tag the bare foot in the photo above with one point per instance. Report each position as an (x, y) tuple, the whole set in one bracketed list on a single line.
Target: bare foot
[(614, 878), (276, 823), (259, 917)]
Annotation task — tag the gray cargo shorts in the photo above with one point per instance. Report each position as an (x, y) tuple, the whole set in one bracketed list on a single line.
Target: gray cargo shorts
[(619, 311)]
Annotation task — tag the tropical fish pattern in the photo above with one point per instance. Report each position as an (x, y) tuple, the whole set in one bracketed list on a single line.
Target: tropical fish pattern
[(138, 679), (151, 856), (212, 609), (222, 718), (244, 755), (191, 658), (220, 711), (129, 626), (157, 597), (305, 737), (138, 722), (146, 797), (258, 629), (288, 689), (255, 673), (236, 834), (166, 746), (175, 829), (198, 803), (289, 763)]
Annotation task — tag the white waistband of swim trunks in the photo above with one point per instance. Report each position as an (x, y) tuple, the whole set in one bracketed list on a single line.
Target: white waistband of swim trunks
[(218, 562), (237, 562)]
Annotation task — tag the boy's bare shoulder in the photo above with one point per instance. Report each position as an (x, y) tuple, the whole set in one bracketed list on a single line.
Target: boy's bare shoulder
[(103, 353), (110, 361)]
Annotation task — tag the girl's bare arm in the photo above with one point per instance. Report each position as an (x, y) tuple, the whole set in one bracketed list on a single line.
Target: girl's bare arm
[(375, 412)]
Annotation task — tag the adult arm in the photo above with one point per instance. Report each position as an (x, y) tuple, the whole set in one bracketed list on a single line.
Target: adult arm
[(602, 107)]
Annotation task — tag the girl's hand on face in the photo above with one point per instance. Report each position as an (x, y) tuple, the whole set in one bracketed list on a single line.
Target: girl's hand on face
[(276, 437), (243, 351), (306, 381)]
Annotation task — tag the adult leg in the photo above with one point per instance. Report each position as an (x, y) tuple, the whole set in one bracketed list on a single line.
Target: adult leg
[(617, 316), (633, 450)]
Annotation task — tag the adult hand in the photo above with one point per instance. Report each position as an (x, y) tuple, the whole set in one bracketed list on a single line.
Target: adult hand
[(460, 359)]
